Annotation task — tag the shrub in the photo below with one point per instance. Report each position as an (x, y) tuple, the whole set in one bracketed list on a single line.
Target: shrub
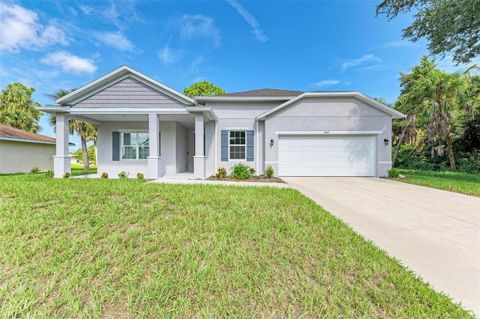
[(241, 171), (49, 174), (269, 172), (393, 173), (66, 175), (221, 173), (252, 171), (104, 175), (35, 170), (469, 162), (140, 176), (123, 175)]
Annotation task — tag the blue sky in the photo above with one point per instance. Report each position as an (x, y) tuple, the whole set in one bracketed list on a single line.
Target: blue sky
[(238, 45)]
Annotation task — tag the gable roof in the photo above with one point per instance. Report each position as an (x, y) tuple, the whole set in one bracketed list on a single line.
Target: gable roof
[(265, 92), (8, 133), (357, 95), (118, 74)]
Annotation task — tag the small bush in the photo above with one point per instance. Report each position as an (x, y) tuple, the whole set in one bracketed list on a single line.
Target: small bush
[(241, 171), (269, 172), (123, 175), (252, 171), (221, 173), (104, 175), (35, 170), (469, 162), (66, 175), (140, 176), (393, 173), (49, 174)]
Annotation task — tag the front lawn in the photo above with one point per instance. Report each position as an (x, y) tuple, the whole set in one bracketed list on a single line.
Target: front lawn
[(123, 248), (452, 181), (77, 169)]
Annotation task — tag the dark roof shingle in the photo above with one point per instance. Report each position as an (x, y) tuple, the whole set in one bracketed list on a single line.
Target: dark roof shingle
[(8, 132), (265, 93)]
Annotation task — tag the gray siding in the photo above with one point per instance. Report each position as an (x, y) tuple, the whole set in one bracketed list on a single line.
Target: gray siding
[(237, 115), (129, 92)]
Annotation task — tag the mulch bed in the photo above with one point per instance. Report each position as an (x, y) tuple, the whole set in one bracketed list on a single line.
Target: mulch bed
[(256, 179)]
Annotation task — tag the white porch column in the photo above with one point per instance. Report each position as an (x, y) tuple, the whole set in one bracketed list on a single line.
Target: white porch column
[(61, 160), (199, 158), (154, 161)]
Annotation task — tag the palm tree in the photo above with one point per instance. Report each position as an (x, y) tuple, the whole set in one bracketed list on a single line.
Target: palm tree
[(86, 131)]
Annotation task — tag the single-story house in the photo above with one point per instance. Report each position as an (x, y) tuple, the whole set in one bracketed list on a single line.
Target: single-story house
[(20, 151), (145, 126)]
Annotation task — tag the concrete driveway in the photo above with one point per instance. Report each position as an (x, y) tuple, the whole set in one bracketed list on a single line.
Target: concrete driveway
[(435, 233)]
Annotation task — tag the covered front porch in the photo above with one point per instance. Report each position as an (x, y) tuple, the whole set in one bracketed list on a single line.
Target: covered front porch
[(156, 143)]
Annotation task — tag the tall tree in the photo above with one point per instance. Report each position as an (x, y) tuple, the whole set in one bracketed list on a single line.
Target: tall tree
[(450, 26), (433, 96), (86, 131), (203, 88), (17, 107)]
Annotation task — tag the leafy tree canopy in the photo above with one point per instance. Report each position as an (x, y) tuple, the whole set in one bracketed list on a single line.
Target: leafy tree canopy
[(17, 107), (450, 26), (203, 88)]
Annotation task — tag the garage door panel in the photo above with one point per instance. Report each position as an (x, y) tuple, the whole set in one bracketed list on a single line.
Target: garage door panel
[(318, 155)]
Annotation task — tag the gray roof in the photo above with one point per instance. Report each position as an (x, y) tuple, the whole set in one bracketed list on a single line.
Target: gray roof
[(265, 92)]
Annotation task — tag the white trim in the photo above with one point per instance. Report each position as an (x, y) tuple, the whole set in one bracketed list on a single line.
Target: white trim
[(256, 147), (381, 107), (237, 128), (127, 110), (137, 146), (270, 162), (215, 145), (328, 132), (8, 139), (221, 98), (120, 72), (54, 109), (244, 146)]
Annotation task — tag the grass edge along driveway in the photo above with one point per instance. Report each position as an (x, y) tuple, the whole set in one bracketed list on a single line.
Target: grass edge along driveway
[(122, 248), (458, 182)]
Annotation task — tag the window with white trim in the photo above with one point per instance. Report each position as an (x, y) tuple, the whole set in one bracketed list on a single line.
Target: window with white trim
[(237, 147), (135, 145)]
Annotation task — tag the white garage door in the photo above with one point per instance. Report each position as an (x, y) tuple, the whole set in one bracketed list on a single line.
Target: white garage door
[(326, 155)]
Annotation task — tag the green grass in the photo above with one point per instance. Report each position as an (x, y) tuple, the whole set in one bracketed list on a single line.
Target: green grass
[(77, 169), (123, 248), (451, 181)]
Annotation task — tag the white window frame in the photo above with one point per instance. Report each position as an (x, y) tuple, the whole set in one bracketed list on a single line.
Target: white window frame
[(244, 146), (137, 147)]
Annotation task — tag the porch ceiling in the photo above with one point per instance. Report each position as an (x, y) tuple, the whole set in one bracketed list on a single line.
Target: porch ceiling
[(186, 120)]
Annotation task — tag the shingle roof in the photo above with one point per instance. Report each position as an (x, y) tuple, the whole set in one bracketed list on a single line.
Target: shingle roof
[(7, 132), (265, 92)]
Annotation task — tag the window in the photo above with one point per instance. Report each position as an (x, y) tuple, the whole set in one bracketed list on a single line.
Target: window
[(237, 146), (135, 145)]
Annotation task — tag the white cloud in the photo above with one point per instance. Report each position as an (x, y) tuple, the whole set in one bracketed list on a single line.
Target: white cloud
[(69, 62), (167, 55), (365, 59), (116, 40), (85, 9), (250, 20), (193, 26), (323, 83), (22, 30)]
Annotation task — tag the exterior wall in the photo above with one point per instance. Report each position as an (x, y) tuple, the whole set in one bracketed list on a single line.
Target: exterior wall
[(329, 114), (236, 115), (104, 148), (210, 148), (129, 92), (16, 157)]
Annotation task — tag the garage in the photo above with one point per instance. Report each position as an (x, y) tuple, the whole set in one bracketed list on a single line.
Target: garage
[(326, 155)]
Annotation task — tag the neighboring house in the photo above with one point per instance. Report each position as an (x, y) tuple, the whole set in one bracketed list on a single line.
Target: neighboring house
[(145, 126), (20, 151)]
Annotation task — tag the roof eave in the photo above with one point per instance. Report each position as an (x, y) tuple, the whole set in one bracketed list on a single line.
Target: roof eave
[(241, 98)]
